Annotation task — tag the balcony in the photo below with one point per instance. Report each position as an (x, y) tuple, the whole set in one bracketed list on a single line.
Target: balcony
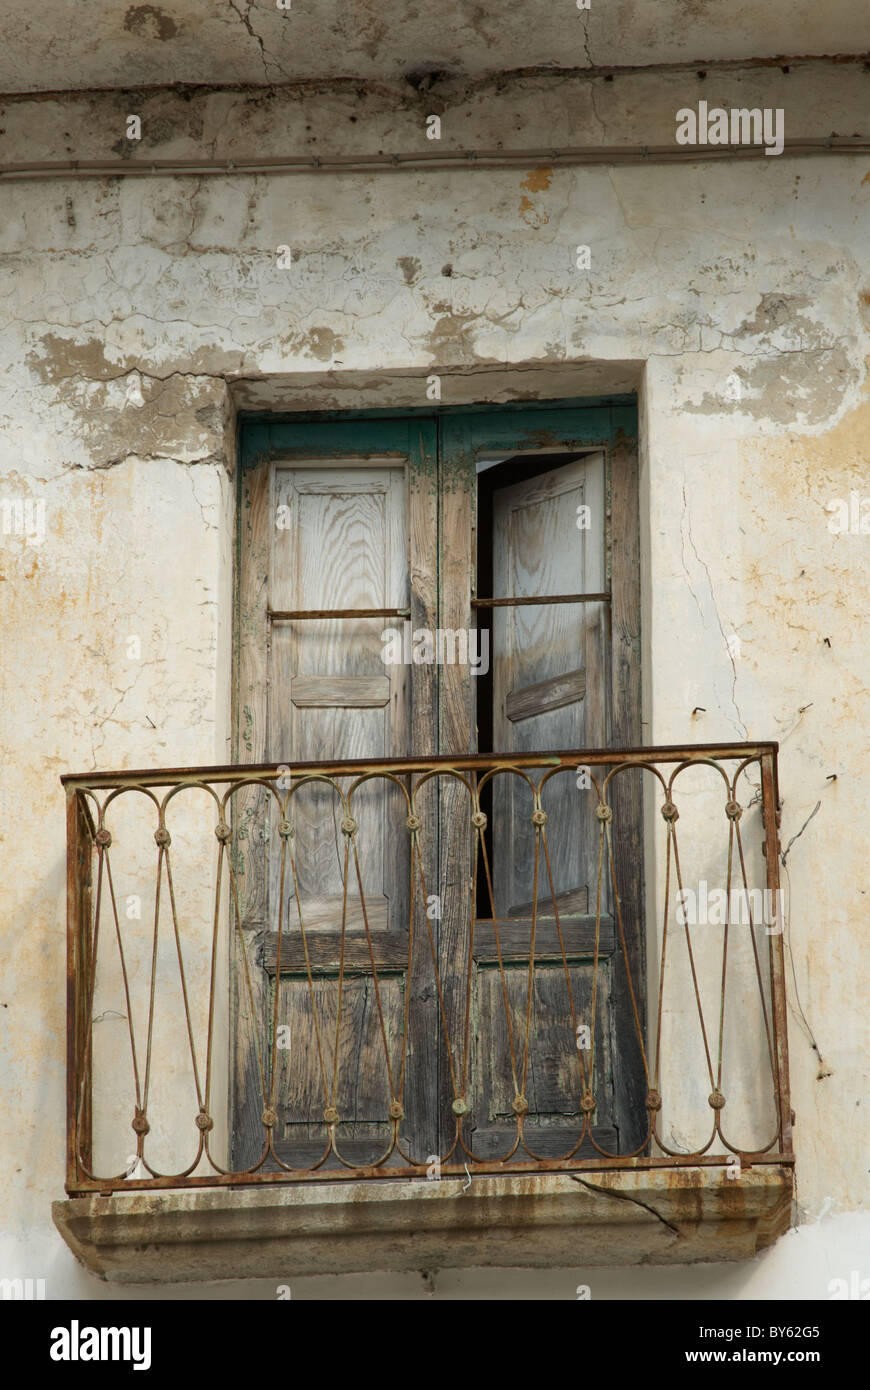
[(398, 1014)]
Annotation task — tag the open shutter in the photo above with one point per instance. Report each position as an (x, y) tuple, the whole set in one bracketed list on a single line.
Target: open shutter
[(549, 692), (548, 673)]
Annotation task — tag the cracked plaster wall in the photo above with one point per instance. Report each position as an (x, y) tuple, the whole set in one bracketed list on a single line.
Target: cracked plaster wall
[(735, 295), (255, 41)]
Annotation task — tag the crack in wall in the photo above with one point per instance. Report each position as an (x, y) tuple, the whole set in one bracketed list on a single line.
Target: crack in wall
[(626, 1197), (246, 20), (740, 725)]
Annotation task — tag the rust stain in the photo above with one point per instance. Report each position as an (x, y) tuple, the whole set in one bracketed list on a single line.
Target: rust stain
[(533, 216), (538, 179)]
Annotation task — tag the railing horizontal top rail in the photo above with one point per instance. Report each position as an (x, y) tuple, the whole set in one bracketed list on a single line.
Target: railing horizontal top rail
[(237, 772)]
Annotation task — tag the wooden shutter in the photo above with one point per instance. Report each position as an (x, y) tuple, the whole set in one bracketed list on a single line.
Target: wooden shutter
[(564, 676), (549, 673), (549, 692), (337, 529)]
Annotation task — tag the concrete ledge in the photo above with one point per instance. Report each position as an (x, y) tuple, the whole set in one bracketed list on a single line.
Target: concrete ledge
[(597, 1218)]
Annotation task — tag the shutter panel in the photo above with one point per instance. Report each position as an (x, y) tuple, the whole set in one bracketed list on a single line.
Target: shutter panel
[(549, 692), (548, 671)]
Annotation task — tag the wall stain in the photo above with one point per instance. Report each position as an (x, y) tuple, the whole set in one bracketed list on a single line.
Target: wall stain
[(62, 358), (410, 268), (538, 179), (150, 22), (535, 217), (319, 342)]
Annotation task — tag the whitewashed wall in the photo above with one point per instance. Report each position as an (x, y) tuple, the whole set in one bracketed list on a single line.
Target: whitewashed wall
[(736, 298)]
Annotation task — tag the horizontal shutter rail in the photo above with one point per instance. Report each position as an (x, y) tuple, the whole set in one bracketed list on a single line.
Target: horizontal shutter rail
[(539, 598), (294, 614)]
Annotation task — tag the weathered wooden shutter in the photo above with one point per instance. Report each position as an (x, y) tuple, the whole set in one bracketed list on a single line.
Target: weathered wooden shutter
[(342, 545), (357, 496), (331, 529), (549, 692), (549, 673)]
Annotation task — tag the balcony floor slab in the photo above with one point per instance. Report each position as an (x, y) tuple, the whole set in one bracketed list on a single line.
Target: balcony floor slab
[(616, 1217)]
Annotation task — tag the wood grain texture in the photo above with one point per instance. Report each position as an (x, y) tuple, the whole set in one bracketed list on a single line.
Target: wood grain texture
[(576, 900), (553, 1084), (249, 818), (389, 953), (527, 701), (307, 1077), (340, 692), (626, 792), (545, 653), (514, 936), (359, 536), (369, 536), (422, 1068), (457, 547), (550, 690)]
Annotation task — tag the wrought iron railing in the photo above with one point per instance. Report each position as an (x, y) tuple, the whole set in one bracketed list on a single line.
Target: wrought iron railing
[(395, 968)]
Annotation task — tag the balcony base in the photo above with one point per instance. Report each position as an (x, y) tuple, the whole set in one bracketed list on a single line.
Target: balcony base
[(618, 1217)]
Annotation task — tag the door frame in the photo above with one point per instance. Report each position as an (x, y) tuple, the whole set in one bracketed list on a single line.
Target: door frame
[(443, 715)]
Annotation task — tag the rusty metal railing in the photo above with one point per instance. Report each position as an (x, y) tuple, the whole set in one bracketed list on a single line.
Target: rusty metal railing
[(323, 972)]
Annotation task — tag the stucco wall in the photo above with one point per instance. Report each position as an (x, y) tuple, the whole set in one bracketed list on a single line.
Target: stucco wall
[(735, 296)]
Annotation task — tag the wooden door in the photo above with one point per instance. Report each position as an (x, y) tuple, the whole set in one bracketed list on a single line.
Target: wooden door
[(342, 545), (565, 676), (333, 523), (381, 513), (549, 691)]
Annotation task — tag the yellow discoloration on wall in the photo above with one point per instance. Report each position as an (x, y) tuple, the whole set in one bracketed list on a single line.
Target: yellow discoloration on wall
[(538, 180)]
